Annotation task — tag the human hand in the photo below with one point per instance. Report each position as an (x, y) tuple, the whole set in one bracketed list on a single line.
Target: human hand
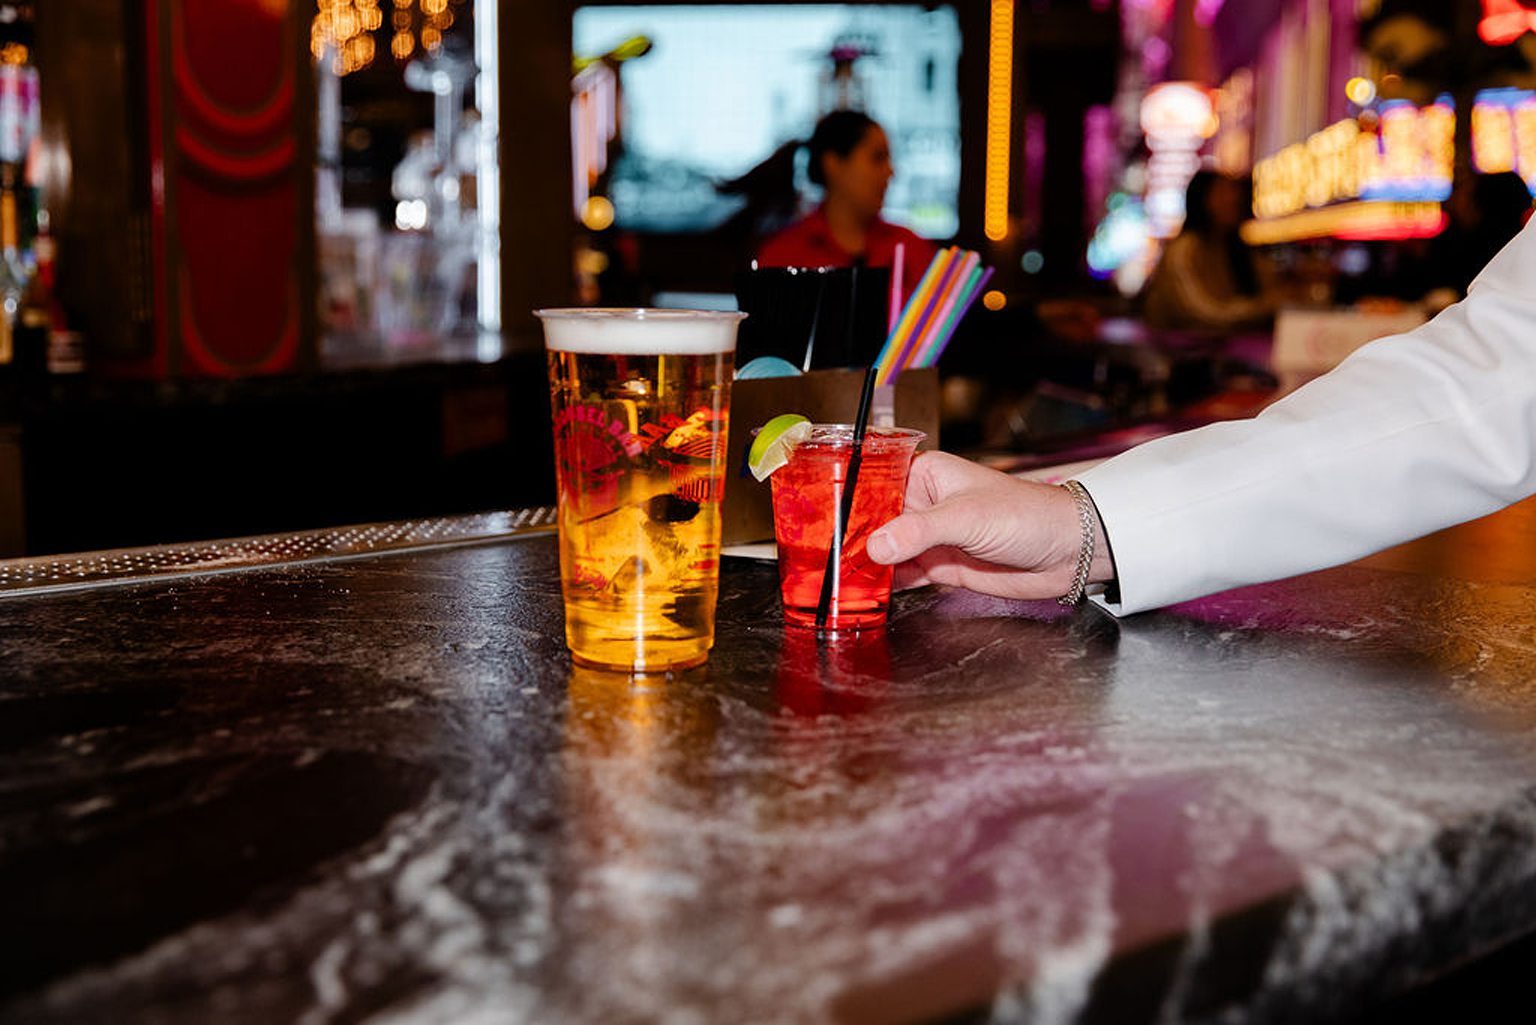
[(972, 527)]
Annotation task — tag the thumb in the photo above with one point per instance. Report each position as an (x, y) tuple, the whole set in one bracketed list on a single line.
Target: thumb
[(910, 535)]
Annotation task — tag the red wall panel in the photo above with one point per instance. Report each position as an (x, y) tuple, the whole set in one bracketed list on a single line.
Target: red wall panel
[(232, 198)]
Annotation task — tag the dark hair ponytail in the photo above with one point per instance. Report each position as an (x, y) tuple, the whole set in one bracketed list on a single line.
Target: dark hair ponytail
[(839, 132)]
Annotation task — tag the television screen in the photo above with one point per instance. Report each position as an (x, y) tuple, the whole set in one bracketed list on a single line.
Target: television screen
[(721, 89)]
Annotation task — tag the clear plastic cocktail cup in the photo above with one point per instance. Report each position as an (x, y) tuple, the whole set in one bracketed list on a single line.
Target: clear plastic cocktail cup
[(807, 493), (640, 400)]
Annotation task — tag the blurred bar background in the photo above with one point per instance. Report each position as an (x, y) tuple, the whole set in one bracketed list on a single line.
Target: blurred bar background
[(269, 264)]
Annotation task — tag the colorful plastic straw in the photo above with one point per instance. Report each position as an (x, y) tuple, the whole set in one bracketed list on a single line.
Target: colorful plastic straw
[(940, 339), (932, 312), (898, 265), (908, 345), (887, 351), (942, 311), (915, 303)]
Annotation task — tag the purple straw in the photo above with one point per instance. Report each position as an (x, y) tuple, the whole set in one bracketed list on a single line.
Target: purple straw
[(931, 355)]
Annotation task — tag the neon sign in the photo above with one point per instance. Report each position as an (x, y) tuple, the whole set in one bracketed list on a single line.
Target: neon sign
[(1358, 219), (1408, 158), (1504, 132), (1504, 21), (999, 121)]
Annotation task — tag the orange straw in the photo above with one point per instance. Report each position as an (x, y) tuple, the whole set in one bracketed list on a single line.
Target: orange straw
[(919, 299)]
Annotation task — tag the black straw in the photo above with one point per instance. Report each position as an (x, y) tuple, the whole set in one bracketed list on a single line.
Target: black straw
[(835, 552)]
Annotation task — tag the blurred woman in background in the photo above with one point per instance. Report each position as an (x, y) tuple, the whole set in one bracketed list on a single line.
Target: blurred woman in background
[(1206, 279), (850, 158)]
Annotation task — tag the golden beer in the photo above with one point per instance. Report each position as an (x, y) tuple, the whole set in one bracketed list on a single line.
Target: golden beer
[(640, 400)]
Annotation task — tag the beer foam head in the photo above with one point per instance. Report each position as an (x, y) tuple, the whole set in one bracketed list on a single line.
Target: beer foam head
[(640, 332)]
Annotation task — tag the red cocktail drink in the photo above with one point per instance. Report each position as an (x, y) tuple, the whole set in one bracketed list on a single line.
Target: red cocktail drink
[(807, 496)]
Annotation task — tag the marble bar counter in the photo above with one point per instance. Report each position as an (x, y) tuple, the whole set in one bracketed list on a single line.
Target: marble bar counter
[(353, 777)]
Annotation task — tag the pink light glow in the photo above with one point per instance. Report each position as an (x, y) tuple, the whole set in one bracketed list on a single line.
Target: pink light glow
[(1206, 11), (1155, 54), (1395, 230), (1099, 154), (1034, 168), (1504, 21)]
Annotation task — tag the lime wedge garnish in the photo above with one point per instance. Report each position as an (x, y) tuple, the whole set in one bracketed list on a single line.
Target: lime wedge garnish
[(775, 439)]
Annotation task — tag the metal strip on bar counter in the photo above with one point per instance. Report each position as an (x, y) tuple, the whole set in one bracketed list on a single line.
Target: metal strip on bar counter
[(135, 565)]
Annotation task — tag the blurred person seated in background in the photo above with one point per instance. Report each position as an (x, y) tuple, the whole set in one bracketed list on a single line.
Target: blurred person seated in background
[(1486, 211), (1206, 279), (850, 158)]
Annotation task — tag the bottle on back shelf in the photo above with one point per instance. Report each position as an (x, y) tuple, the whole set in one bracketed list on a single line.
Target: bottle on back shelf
[(20, 109), (8, 370), (42, 315), (34, 321), (7, 344), (18, 125), (13, 274)]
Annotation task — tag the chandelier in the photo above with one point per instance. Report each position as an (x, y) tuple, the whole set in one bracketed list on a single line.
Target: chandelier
[(343, 31)]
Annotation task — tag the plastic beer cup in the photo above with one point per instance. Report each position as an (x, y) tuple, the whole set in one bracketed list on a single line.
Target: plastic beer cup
[(807, 496), (640, 400)]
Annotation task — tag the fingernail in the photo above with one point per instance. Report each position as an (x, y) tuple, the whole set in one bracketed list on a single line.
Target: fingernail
[(880, 547)]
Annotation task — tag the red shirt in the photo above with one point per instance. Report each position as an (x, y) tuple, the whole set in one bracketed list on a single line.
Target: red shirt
[(809, 243)]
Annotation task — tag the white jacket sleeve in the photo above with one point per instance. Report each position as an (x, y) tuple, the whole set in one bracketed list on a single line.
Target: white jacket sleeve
[(1411, 433)]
